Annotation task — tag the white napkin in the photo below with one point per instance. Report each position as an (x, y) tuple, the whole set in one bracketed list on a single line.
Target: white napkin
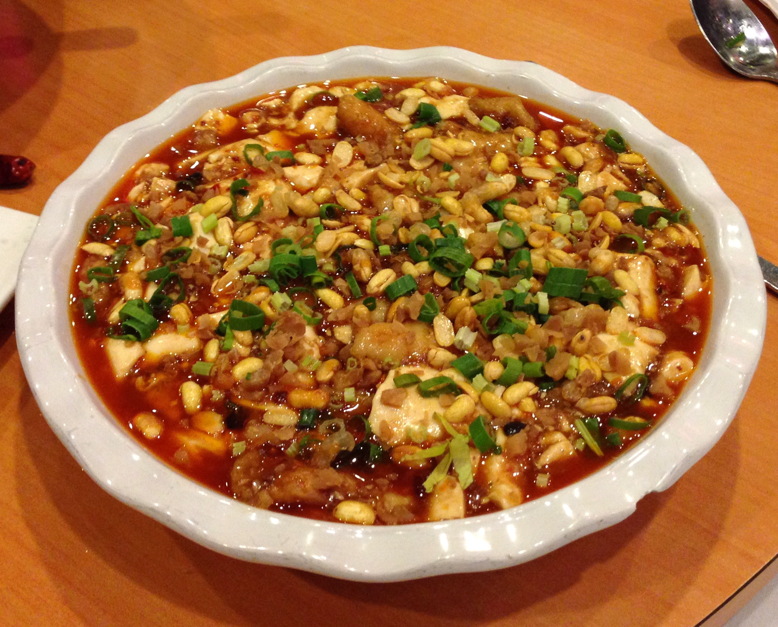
[(15, 232)]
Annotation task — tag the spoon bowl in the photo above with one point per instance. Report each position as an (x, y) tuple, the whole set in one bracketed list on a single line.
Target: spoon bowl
[(738, 37)]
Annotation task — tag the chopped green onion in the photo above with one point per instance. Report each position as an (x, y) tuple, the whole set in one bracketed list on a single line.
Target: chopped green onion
[(101, 274), (527, 146), (625, 196), (308, 314), (209, 223), (280, 155), (469, 365), (429, 309), (202, 368), (511, 372), (281, 302), (465, 338), (150, 230), (245, 316), (181, 226), (426, 114), (572, 368), (573, 193), (308, 418), (310, 362), (422, 149), (566, 282), (634, 388), (373, 226), (437, 386), (588, 437), (296, 447), (162, 300), (511, 235), (451, 261), (406, 380), (580, 221), (533, 369), (489, 124), (374, 94), (101, 228), (384, 250), (370, 302), (284, 267), (600, 290), (353, 286), (563, 223), (629, 243), (239, 188), (157, 274), (250, 152), (633, 424), (350, 395), (483, 440), (614, 141), (180, 254), (658, 217), (330, 211), (88, 307), (417, 245), (543, 304), (473, 279), (137, 320), (404, 285), (481, 384)]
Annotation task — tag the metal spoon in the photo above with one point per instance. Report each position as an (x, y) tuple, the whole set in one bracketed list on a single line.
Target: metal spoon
[(770, 272), (738, 37)]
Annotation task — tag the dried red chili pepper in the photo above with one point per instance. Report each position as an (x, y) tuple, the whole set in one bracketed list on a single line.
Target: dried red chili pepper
[(15, 171)]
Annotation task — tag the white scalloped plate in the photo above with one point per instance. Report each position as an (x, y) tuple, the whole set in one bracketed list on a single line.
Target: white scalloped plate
[(126, 470)]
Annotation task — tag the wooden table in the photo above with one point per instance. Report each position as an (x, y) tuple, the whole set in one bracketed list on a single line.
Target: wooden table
[(70, 71)]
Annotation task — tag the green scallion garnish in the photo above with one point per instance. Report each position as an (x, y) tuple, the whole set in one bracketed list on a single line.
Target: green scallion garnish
[(202, 368), (437, 386), (482, 438), (469, 365), (406, 380), (489, 124), (181, 226), (633, 424), (402, 286), (429, 309), (614, 141), (633, 389)]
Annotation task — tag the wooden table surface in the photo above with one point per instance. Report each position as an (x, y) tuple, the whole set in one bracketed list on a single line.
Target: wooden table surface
[(72, 70)]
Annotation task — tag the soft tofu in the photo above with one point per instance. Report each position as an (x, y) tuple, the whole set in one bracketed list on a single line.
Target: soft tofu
[(122, 355), (412, 422), (201, 240), (641, 354), (171, 345), (641, 269)]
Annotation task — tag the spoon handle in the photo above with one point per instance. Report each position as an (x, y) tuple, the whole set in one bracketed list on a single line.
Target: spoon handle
[(772, 5), (770, 272)]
